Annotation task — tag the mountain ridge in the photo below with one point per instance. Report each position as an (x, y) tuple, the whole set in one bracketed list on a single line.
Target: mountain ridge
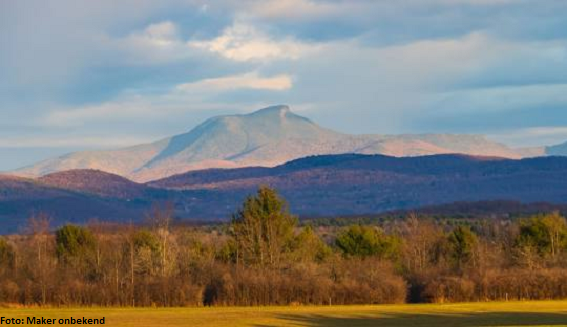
[(267, 137), (315, 186), (94, 182)]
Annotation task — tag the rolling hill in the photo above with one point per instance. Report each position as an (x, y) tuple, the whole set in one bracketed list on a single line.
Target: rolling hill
[(73, 197), (267, 138), (95, 182), (316, 186), (356, 184)]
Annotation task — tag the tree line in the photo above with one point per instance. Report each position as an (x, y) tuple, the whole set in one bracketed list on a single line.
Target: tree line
[(264, 257)]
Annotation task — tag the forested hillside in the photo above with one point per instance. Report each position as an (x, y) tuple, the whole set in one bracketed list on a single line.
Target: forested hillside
[(263, 257), (318, 186)]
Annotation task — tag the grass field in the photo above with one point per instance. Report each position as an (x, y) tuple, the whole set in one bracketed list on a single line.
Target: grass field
[(552, 313)]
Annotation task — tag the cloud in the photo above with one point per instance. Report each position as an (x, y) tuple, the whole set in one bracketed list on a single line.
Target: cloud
[(532, 136), (295, 9), (310, 9), (120, 109), (127, 109), (50, 50), (134, 105), (503, 98), (243, 42), (157, 43), (244, 81), (477, 2), (159, 34), (364, 66), (93, 141)]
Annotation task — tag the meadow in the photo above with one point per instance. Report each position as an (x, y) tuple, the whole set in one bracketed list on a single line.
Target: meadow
[(542, 313)]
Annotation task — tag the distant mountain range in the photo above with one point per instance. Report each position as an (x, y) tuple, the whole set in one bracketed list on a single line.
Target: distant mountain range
[(356, 184), (267, 138), (328, 185), (21, 198)]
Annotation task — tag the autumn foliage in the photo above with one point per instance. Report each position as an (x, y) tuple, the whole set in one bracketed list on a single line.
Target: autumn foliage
[(264, 256)]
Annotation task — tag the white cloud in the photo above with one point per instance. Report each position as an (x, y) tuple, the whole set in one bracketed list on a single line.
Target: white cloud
[(156, 43), (244, 81), (244, 42), (180, 98), (241, 42), (159, 34)]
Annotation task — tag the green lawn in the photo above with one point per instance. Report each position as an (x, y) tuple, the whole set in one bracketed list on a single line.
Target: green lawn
[(552, 313)]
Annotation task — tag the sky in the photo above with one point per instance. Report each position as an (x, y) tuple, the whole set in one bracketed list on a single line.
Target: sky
[(78, 74)]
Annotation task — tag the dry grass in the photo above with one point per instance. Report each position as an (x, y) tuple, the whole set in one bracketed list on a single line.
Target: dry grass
[(545, 313)]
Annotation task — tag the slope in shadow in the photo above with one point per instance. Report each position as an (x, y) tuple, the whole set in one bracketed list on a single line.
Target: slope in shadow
[(179, 143), (382, 319)]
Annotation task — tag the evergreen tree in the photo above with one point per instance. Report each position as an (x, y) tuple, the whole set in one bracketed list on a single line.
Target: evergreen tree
[(365, 241), (74, 243), (461, 245), (263, 229)]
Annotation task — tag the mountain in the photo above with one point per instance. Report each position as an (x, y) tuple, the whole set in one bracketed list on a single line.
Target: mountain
[(95, 182), (557, 150), (356, 184), (315, 186), (21, 198), (267, 137)]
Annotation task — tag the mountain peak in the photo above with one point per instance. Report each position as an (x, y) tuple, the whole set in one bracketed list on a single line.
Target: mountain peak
[(281, 110), (267, 137)]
